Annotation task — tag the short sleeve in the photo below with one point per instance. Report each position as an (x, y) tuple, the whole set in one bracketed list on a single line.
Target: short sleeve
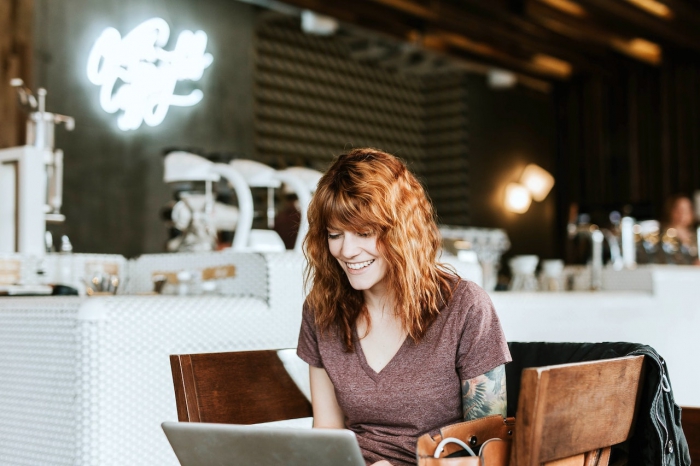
[(307, 348), (483, 344)]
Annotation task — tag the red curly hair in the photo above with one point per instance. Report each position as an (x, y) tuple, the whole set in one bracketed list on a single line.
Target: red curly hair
[(367, 190)]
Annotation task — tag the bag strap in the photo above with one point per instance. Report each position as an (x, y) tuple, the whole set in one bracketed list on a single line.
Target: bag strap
[(472, 432), (477, 431), (441, 446)]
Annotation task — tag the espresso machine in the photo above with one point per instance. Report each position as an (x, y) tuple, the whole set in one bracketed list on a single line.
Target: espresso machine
[(194, 215), (31, 178)]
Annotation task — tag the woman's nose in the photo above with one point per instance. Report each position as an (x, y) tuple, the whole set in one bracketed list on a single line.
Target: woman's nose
[(350, 246)]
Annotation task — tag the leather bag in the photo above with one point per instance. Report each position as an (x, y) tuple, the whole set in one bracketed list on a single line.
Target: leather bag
[(487, 438)]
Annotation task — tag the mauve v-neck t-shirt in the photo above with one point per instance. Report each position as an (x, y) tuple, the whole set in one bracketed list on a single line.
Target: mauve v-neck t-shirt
[(419, 390)]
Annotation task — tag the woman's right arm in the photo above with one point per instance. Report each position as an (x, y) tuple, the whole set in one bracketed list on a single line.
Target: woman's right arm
[(327, 413)]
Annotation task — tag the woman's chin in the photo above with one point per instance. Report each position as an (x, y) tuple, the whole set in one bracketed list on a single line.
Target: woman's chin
[(359, 285)]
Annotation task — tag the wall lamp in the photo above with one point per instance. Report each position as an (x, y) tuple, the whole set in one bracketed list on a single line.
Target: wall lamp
[(518, 198), (535, 183)]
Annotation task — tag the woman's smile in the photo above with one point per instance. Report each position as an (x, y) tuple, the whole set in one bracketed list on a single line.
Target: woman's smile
[(359, 266)]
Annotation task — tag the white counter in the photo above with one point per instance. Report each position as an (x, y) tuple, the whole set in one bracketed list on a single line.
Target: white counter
[(667, 318), (86, 381)]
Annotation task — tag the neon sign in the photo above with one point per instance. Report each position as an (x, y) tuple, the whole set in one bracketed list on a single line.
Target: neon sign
[(138, 77)]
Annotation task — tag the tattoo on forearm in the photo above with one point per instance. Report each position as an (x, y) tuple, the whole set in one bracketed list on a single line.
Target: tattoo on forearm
[(485, 395)]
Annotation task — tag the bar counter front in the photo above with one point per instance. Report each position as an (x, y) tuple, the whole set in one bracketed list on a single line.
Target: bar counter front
[(87, 380)]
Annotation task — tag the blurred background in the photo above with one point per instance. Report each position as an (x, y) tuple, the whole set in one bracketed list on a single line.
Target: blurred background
[(557, 139), (602, 94)]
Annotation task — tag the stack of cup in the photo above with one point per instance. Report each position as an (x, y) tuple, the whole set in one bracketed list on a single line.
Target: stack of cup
[(552, 276), (523, 270)]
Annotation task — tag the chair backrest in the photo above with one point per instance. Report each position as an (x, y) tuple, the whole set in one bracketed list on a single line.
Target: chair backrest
[(571, 414), (691, 429), (245, 387)]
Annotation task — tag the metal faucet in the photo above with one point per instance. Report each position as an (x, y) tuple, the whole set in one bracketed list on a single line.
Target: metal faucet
[(598, 237), (615, 250)]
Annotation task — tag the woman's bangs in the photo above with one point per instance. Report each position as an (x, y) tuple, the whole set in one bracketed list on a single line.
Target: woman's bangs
[(345, 213)]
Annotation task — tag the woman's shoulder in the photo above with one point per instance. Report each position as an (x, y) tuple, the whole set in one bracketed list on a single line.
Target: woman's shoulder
[(308, 316), (466, 291), (468, 306), (469, 300)]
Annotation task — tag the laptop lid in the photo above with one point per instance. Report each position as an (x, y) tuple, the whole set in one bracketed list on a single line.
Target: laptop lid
[(205, 444)]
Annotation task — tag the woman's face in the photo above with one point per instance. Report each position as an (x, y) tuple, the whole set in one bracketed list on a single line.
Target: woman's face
[(682, 213), (359, 258)]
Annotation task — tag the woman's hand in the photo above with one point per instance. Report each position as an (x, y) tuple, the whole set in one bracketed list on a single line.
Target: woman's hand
[(382, 463)]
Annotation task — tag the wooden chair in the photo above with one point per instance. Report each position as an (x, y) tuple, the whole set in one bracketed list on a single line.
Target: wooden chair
[(571, 414), (568, 415), (691, 429), (246, 387)]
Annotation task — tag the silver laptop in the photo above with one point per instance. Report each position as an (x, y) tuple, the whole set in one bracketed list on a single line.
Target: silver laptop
[(203, 444)]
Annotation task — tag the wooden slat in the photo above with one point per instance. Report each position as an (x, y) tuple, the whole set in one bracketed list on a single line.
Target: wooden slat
[(452, 21), (571, 409), (7, 67), (16, 25), (239, 388), (178, 385), (191, 380), (185, 388), (623, 16), (691, 429), (412, 8)]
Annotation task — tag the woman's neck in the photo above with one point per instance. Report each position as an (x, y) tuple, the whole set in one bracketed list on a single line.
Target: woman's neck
[(377, 299), (381, 318)]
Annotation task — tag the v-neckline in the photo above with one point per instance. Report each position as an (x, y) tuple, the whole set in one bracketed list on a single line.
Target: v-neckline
[(374, 375)]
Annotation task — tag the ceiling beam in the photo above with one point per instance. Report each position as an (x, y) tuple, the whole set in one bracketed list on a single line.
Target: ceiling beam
[(582, 30), (376, 15), (495, 24), (635, 22), (413, 8), (515, 23), (482, 21), (685, 13), (466, 48), (534, 37)]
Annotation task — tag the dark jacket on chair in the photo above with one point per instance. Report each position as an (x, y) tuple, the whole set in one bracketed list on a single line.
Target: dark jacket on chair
[(658, 438)]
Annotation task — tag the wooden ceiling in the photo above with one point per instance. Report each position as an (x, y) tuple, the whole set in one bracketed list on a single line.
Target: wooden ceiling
[(544, 40)]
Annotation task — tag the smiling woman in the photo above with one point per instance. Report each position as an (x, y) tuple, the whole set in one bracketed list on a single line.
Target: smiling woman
[(398, 344)]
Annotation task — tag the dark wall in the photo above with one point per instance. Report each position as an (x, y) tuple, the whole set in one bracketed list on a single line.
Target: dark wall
[(507, 130), (316, 97), (629, 138), (113, 179), (113, 188)]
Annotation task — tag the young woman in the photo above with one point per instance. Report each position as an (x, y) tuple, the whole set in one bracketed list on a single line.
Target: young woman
[(398, 345), (678, 235)]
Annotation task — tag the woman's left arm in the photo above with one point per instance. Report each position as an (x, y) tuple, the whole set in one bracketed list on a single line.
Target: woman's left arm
[(485, 394)]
